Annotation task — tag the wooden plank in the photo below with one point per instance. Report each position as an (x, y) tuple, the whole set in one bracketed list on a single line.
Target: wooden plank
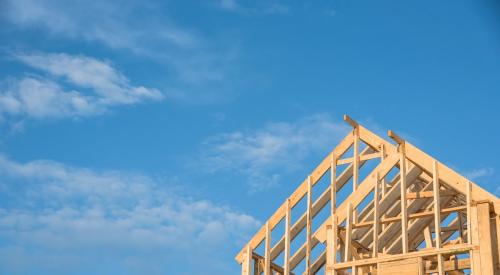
[(345, 161), (437, 214), (474, 232), (485, 240), (267, 251), (246, 266), (286, 265), (437, 205), (376, 217), (428, 237), (333, 185), (335, 237), (330, 247), (429, 194), (369, 156), (404, 213), (355, 173), (469, 205), (308, 227), (456, 249), (348, 238)]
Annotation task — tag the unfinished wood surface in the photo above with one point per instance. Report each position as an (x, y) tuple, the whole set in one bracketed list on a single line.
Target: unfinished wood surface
[(385, 225)]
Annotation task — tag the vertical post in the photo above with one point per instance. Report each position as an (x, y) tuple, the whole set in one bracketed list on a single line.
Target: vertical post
[(333, 184), (383, 183), (246, 265), (287, 238), (355, 175), (331, 246), (376, 216), (267, 253), (308, 226), (335, 228), (473, 231), (437, 213), (485, 240), (469, 205), (404, 214), (329, 249), (331, 255), (348, 233)]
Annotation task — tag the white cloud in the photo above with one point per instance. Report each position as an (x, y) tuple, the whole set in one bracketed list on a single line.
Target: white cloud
[(110, 85), (257, 7), (479, 173), (42, 97), (195, 67), (104, 21), (283, 146), (121, 222)]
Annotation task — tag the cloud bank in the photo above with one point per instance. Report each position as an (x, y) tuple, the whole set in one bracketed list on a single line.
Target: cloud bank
[(55, 217), (259, 154), (98, 86)]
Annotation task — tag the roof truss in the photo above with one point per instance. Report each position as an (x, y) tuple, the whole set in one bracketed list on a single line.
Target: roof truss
[(406, 211)]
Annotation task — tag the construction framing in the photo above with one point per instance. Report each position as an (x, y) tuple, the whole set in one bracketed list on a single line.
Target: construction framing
[(407, 214)]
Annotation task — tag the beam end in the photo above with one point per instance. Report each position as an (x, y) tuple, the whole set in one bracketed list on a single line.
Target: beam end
[(350, 121), (395, 137)]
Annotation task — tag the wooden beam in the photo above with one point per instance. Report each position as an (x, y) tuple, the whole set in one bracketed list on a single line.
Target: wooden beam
[(355, 173), (485, 240), (395, 137), (429, 194), (428, 237), (267, 251), (308, 227), (350, 121), (456, 249), (437, 215), (246, 266), (333, 185), (403, 186), (288, 216), (348, 237), (376, 217)]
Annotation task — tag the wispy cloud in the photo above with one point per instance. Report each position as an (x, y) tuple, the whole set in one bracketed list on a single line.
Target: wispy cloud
[(101, 21), (198, 66), (42, 97), (478, 173), (260, 154), (52, 212), (256, 7)]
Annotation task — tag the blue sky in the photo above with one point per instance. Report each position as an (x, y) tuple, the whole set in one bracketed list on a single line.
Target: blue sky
[(154, 137)]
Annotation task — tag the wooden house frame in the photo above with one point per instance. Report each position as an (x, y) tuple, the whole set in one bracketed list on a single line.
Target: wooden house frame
[(409, 214)]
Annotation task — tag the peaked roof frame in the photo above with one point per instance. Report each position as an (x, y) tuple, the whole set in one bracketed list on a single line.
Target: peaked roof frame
[(428, 192)]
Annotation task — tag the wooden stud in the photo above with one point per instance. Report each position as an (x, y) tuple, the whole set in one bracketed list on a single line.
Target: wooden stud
[(437, 205), (469, 205), (308, 226), (485, 240), (287, 238), (376, 216), (348, 236), (403, 186), (355, 175), (267, 252), (246, 266), (333, 185), (437, 215)]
